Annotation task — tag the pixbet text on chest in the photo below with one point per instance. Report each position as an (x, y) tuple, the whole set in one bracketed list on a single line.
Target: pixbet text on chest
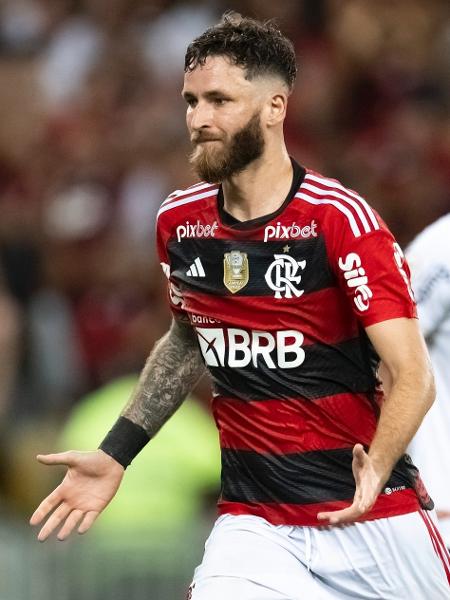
[(290, 232)]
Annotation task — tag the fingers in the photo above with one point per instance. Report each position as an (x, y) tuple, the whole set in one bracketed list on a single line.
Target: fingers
[(359, 454), (88, 521), (70, 518), (56, 497), (366, 493), (54, 521), (362, 502), (46, 506), (346, 515), (71, 522), (62, 458)]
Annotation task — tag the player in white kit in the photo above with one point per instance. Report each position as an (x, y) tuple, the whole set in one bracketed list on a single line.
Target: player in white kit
[(429, 257)]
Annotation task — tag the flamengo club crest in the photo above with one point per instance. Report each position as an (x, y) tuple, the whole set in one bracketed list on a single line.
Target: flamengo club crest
[(235, 270), (282, 278)]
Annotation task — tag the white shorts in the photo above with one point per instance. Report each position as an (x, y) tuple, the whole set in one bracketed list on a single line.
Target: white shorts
[(247, 558)]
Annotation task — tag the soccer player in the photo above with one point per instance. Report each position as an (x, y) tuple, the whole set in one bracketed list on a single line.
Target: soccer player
[(290, 289), (429, 256)]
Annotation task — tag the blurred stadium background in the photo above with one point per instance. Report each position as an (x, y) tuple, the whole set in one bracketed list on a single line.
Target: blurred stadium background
[(92, 138)]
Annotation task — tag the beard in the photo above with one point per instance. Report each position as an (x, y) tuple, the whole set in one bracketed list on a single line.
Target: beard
[(215, 164)]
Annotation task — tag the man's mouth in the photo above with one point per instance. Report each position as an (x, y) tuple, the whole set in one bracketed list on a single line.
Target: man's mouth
[(205, 140)]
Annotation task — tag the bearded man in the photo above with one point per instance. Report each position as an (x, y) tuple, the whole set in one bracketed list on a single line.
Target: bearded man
[(290, 290)]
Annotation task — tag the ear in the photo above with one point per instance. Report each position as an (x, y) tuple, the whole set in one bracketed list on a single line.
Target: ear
[(276, 109)]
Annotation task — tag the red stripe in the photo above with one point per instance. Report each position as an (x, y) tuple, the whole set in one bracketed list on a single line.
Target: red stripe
[(435, 541), (266, 314), (437, 533), (269, 315), (399, 503), (288, 426), (439, 540), (187, 194)]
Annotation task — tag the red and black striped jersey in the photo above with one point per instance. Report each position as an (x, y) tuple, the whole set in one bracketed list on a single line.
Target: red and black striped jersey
[(280, 305)]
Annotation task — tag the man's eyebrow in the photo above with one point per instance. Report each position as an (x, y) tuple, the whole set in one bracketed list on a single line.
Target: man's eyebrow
[(210, 95), (215, 94), (187, 95)]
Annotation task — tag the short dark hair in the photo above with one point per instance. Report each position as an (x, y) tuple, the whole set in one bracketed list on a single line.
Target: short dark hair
[(258, 47)]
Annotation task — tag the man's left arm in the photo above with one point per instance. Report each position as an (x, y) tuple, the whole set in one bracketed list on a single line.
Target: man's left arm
[(401, 347)]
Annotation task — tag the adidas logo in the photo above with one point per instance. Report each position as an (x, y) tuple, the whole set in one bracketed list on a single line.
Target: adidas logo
[(196, 269)]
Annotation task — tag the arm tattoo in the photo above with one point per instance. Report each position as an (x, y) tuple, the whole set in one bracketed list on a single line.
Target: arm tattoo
[(172, 369)]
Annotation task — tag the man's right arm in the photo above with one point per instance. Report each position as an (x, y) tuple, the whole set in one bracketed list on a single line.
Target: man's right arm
[(172, 370), (93, 478)]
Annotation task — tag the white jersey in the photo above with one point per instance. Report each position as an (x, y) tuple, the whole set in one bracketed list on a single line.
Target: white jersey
[(429, 259)]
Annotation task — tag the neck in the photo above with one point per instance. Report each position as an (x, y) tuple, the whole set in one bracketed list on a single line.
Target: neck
[(261, 188)]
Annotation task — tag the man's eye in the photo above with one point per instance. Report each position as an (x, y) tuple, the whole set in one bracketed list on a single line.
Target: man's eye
[(220, 101)]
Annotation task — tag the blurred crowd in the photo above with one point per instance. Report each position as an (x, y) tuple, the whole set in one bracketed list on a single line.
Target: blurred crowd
[(92, 138)]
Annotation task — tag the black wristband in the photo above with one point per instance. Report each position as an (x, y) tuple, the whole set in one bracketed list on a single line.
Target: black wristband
[(124, 441)]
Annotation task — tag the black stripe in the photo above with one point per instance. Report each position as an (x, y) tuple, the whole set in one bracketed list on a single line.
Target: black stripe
[(327, 370), (315, 276), (301, 478)]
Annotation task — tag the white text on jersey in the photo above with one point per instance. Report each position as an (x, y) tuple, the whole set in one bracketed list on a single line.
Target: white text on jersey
[(290, 232), (237, 348), (175, 294), (356, 279), (399, 258), (196, 230)]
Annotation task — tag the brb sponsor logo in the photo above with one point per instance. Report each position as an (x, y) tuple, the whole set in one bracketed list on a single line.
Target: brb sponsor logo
[(237, 348), (357, 280), (290, 232), (196, 230)]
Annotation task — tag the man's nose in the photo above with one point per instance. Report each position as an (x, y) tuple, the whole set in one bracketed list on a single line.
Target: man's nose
[(201, 116)]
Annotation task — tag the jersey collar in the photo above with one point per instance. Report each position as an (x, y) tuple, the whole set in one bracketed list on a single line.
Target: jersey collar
[(230, 221)]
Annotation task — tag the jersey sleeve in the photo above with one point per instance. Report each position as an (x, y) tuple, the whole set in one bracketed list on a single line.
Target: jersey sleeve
[(372, 272), (174, 294)]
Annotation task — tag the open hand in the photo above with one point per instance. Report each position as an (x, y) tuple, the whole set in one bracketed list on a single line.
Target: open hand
[(368, 486), (91, 481)]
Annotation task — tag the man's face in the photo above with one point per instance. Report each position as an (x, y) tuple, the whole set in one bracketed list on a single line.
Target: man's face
[(223, 119)]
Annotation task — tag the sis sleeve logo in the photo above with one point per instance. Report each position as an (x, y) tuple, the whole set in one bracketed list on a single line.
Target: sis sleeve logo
[(357, 280)]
